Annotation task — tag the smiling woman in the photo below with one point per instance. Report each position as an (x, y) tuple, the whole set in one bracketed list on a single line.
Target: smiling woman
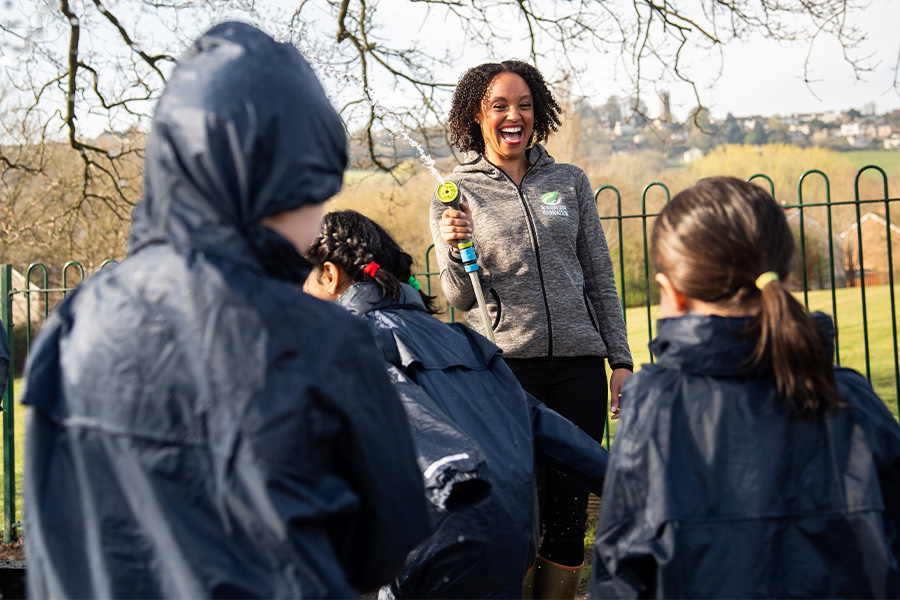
[(546, 275), (507, 121)]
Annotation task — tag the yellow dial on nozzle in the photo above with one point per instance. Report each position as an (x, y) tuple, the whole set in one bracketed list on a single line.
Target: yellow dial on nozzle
[(447, 192)]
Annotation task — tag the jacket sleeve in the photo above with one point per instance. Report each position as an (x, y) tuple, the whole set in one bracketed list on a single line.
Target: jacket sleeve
[(627, 531), (560, 444), (453, 467), (599, 277), (888, 458), (884, 434), (378, 459), (454, 279)]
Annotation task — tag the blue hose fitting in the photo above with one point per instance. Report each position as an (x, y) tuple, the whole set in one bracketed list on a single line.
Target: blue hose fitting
[(467, 256)]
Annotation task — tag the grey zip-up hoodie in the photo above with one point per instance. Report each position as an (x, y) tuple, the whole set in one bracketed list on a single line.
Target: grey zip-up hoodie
[(545, 270)]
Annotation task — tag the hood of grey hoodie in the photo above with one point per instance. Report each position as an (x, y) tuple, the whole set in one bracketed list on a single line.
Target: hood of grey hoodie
[(545, 268)]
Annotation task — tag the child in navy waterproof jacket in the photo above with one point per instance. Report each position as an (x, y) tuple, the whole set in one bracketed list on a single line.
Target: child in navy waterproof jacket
[(200, 427), (478, 434), (745, 465)]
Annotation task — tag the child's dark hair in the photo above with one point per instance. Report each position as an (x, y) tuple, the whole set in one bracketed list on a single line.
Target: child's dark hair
[(713, 241), (465, 132), (351, 241)]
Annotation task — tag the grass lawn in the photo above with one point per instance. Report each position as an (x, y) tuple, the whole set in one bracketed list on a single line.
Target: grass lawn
[(886, 159), (851, 348), (19, 416), (851, 339)]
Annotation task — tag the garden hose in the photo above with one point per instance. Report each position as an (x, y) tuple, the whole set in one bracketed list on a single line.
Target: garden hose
[(448, 193)]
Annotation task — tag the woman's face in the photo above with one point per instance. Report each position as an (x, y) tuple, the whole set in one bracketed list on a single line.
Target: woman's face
[(506, 119)]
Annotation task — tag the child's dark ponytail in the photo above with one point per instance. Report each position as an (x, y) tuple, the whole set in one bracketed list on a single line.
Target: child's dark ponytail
[(789, 339), (726, 242), (365, 252)]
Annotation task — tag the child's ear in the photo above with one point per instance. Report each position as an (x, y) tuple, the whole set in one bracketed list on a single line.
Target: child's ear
[(671, 297), (331, 277)]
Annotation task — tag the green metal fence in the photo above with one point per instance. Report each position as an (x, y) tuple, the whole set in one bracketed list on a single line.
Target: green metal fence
[(34, 296), (840, 262), (855, 284), (845, 257)]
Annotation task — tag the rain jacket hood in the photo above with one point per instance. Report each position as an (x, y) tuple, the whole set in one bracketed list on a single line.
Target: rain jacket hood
[(716, 489), (242, 131), (200, 427), (448, 376)]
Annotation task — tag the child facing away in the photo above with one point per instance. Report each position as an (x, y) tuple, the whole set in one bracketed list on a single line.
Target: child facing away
[(745, 464), (200, 427), (452, 378)]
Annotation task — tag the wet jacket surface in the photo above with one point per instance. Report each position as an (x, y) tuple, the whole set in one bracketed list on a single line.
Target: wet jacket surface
[(546, 272), (449, 375), (200, 427), (716, 489)]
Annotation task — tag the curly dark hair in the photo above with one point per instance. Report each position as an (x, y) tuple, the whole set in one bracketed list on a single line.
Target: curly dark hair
[(351, 241), (465, 132)]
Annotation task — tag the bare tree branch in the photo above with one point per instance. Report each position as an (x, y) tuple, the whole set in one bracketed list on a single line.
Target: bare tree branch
[(93, 97)]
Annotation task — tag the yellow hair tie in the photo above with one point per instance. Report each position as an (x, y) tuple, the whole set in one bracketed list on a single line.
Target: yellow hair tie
[(766, 278)]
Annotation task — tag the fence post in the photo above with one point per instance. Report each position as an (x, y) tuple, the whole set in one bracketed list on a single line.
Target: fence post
[(9, 438)]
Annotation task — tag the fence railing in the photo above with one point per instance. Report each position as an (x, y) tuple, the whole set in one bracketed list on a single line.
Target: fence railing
[(845, 266), (25, 303)]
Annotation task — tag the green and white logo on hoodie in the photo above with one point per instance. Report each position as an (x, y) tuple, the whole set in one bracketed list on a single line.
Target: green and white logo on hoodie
[(551, 204), (551, 198)]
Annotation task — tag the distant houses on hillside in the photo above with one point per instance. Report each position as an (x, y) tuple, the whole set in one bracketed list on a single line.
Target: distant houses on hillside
[(877, 261), (625, 125), (625, 130)]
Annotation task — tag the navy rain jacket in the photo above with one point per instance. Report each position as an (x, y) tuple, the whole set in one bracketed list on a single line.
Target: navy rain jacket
[(716, 489), (450, 377), (200, 427)]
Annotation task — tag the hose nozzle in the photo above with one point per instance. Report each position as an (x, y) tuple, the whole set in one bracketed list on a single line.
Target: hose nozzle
[(448, 193)]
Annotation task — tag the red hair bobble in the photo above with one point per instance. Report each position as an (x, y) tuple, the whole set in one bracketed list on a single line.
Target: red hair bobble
[(371, 268)]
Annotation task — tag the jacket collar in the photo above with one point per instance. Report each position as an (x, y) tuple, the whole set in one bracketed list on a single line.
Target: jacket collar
[(367, 296), (475, 162), (715, 345), (703, 343)]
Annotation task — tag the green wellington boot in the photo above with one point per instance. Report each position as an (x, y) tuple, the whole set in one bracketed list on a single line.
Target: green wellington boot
[(556, 582), (528, 584)]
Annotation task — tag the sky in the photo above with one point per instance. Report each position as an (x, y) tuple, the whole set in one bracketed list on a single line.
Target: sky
[(759, 76), (765, 78)]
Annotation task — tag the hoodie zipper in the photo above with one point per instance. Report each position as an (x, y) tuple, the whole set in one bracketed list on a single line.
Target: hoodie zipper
[(537, 252)]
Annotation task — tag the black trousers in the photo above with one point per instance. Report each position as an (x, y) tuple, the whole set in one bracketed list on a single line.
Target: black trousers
[(575, 388)]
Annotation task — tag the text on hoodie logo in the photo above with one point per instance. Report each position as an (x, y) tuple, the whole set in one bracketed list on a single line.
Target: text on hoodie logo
[(551, 204)]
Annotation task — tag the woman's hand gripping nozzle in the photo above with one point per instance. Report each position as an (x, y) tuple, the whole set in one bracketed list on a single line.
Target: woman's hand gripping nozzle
[(449, 195)]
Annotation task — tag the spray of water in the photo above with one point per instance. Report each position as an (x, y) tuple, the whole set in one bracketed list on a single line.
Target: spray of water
[(390, 119)]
